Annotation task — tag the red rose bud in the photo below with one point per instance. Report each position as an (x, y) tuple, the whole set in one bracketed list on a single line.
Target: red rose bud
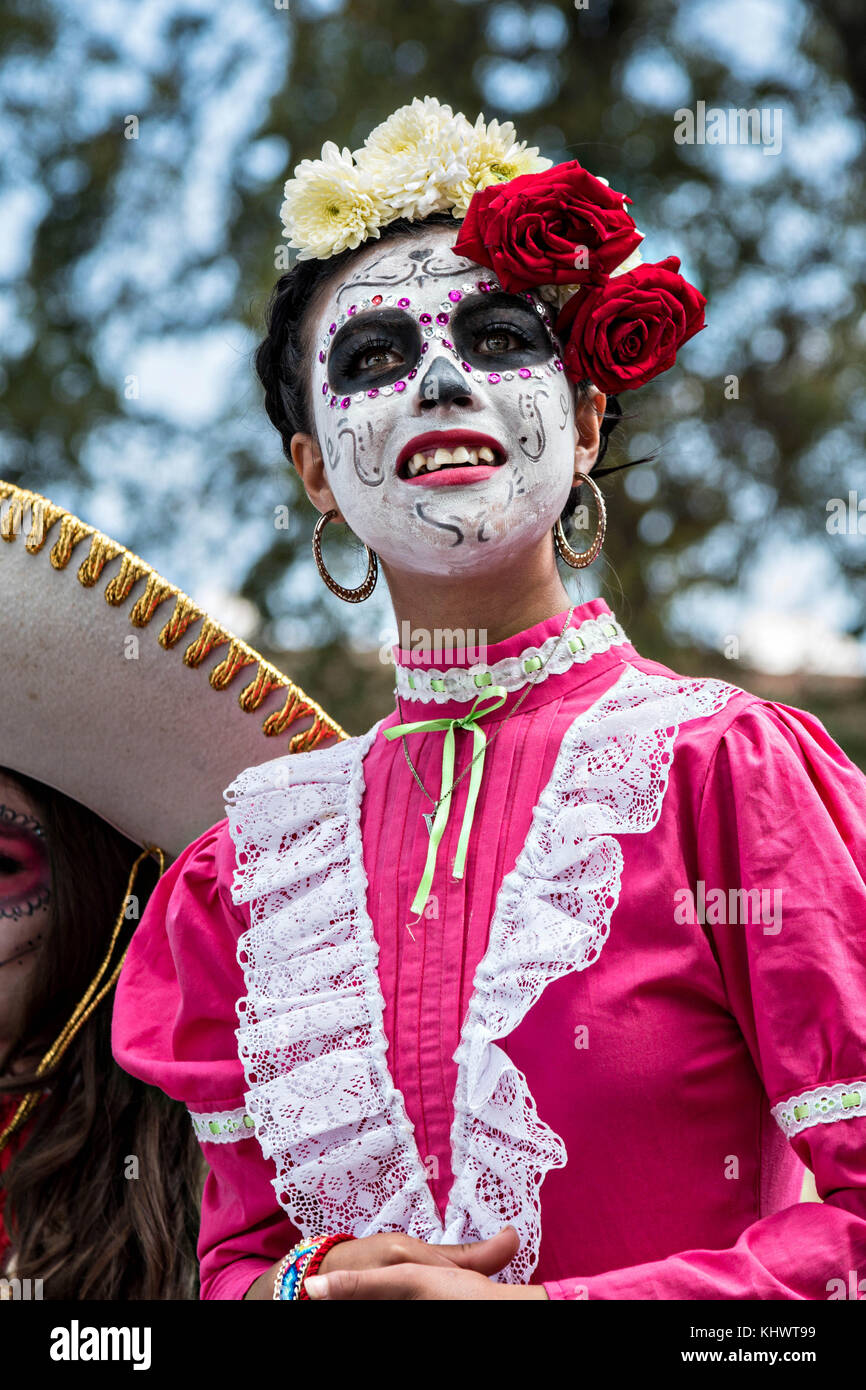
[(627, 330), (558, 227)]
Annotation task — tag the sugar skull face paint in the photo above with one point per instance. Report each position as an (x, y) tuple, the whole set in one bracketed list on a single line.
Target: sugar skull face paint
[(440, 406), (25, 881)]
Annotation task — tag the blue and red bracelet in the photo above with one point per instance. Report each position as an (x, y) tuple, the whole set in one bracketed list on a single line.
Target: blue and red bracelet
[(303, 1259)]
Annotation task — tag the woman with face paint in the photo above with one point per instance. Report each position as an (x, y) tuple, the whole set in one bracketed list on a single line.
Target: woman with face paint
[(71, 1215), (541, 991), (116, 740)]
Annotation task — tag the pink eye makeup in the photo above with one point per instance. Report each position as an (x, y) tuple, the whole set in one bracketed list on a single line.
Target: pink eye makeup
[(25, 878)]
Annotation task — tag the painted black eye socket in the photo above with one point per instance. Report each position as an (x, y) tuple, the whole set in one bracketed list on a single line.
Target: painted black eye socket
[(373, 350), (501, 329)]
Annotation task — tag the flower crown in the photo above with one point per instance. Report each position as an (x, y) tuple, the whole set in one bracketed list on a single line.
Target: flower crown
[(555, 228)]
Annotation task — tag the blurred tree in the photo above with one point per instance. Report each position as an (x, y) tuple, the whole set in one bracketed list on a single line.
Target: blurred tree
[(143, 156)]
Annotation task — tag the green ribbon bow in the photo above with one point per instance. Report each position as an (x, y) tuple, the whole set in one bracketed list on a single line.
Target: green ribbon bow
[(479, 744)]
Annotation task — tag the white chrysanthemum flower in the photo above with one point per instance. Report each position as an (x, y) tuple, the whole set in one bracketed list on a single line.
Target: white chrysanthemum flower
[(414, 156), (330, 205), (494, 155)]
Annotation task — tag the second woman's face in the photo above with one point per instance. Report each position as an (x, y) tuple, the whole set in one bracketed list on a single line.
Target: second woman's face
[(446, 424), (25, 892)]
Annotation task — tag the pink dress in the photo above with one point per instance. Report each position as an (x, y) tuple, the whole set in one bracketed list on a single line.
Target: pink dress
[(624, 1029)]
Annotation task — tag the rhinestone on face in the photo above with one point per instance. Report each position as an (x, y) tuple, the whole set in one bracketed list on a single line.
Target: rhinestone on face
[(493, 378), (413, 373), (377, 299), (425, 318), (557, 364), (344, 402), (508, 376), (399, 386), (332, 329), (374, 392), (441, 318), (455, 296), (321, 357), (387, 390), (332, 401), (351, 309), (446, 342), (477, 376), (403, 303), (467, 366), (524, 372), (324, 388)]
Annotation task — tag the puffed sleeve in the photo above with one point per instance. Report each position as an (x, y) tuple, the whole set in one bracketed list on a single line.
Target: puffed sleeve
[(174, 1027), (782, 834)]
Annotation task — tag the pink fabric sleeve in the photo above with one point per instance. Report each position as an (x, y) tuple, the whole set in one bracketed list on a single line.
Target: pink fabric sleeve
[(784, 810), (174, 1027)]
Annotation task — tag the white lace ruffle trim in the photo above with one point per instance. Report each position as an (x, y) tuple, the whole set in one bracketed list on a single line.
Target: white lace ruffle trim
[(466, 683), (823, 1105), (311, 1037)]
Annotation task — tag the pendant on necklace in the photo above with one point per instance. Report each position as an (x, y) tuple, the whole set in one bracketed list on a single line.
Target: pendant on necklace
[(428, 817)]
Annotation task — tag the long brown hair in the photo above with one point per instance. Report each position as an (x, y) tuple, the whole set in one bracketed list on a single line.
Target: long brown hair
[(102, 1198)]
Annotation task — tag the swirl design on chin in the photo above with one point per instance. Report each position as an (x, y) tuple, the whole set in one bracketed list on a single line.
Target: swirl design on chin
[(440, 525)]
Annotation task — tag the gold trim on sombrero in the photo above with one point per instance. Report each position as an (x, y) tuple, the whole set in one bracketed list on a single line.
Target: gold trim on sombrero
[(45, 514)]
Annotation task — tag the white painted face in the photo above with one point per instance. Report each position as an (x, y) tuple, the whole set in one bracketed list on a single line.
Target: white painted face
[(407, 345)]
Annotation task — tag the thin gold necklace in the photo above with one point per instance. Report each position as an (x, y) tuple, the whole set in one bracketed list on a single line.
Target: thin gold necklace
[(429, 816)]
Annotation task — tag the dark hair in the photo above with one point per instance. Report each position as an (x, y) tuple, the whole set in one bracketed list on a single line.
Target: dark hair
[(283, 357), (75, 1217)]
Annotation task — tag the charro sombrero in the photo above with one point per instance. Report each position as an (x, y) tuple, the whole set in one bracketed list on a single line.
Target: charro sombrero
[(121, 692)]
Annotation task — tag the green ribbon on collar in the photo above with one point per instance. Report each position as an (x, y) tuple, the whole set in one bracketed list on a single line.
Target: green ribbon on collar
[(496, 694)]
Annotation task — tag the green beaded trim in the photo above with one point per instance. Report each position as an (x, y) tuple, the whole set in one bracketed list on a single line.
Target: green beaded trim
[(223, 1126)]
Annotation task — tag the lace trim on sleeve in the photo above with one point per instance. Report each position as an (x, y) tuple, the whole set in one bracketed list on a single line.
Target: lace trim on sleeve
[(223, 1126), (823, 1105)]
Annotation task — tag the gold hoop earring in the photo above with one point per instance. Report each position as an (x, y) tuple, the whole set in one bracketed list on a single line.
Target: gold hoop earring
[(350, 595), (578, 559)]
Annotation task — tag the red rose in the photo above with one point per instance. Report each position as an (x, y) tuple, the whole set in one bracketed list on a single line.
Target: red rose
[(627, 330), (536, 229)]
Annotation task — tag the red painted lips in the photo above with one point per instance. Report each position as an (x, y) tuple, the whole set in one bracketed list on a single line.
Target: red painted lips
[(449, 439)]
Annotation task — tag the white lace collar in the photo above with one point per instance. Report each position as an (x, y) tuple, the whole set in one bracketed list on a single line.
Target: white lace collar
[(311, 1036), (580, 643)]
